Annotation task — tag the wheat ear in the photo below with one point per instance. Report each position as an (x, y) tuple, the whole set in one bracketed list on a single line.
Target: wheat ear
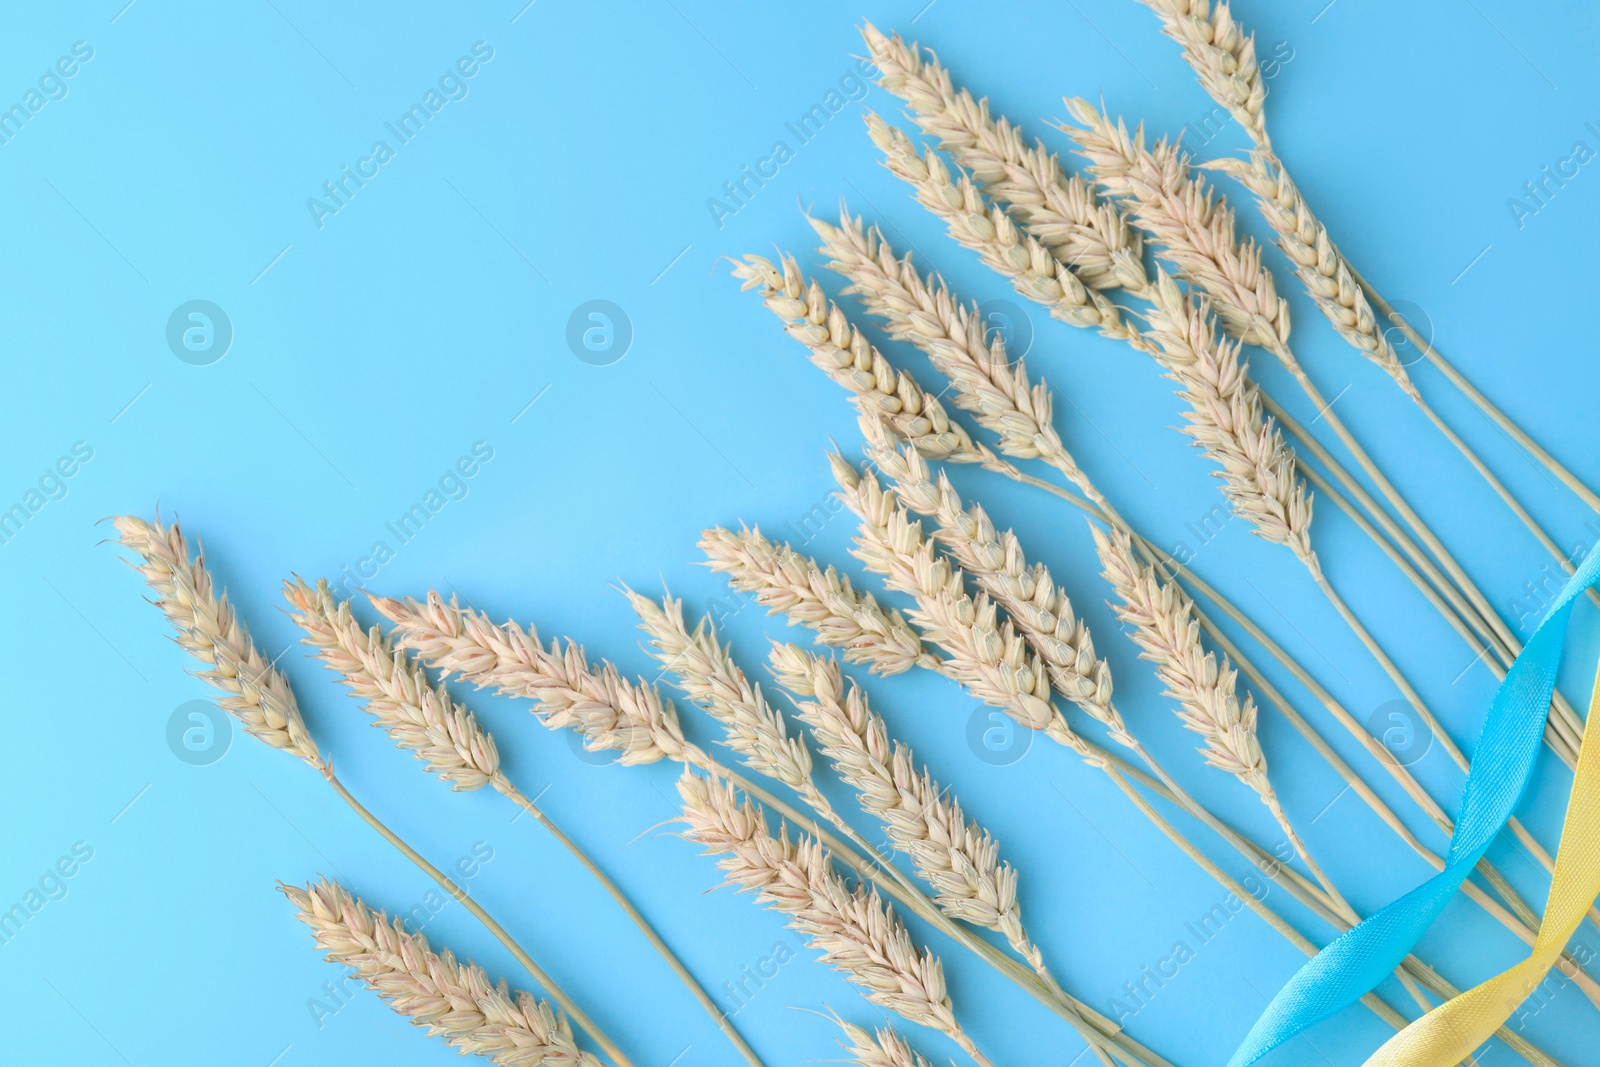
[(1258, 470), (857, 933), (1061, 210), (260, 697), (703, 668), (994, 389), (607, 711), (208, 628), (449, 999), (953, 854), (885, 1048), (846, 356), (1222, 55), (1165, 629), (420, 717), (783, 581), (1183, 215), (989, 231)]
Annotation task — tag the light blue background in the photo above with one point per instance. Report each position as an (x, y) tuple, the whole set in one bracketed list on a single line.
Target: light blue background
[(431, 310)]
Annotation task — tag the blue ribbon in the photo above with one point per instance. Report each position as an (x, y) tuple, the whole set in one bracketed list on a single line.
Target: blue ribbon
[(1353, 964)]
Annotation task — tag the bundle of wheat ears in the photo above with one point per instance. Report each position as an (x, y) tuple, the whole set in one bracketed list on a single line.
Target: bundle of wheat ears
[(1136, 245)]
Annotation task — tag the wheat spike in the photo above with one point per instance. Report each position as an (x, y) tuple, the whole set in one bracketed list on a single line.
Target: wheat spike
[(857, 933), (976, 224), (208, 629), (1062, 211), (1225, 420), (953, 854), (847, 357), (885, 1048), (452, 1000), (610, 713), (824, 601), (1040, 609), (704, 669), (1168, 635), (1183, 215), (985, 655), (420, 717), (1319, 265), (997, 392), (1222, 54)]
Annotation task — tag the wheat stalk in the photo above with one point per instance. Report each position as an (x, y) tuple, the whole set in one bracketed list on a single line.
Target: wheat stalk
[(1164, 627), (257, 695), (847, 357), (425, 720), (447, 998), (1062, 211), (782, 580), (949, 851), (857, 933)]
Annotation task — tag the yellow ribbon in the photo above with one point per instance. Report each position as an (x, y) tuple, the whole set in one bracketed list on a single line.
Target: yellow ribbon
[(1449, 1033)]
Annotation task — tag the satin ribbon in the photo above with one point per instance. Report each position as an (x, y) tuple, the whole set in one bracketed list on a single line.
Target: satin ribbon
[(1449, 1033), (1353, 964)]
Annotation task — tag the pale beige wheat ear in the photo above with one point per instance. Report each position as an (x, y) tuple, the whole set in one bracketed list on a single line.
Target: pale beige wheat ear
[(783, 581), (1320, 267), (209, 629), (976, 224), (703, 667), (607, 711), (449, 999), (1165, 629), (950, 852), (420, 717), (1224, 419), (845, 355), (885, 1048), (994, 389), (1222, 55), (857, 932), (1183, 215), (1061, 210)]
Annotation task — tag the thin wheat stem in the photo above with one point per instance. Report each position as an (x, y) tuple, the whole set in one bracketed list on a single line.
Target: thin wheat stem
[(1483, 403)]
